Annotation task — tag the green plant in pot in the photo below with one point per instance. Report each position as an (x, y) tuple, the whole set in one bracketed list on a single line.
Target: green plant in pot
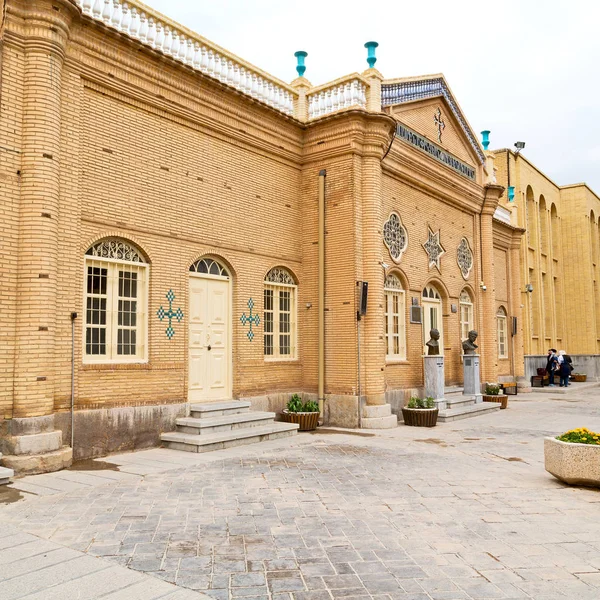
[(306, 414), (492, 394), (420, 412)]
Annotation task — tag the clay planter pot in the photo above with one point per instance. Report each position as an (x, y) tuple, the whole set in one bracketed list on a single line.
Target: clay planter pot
[(576, 464), (420, 417), (578, 377), (501, 398), (306, 420)]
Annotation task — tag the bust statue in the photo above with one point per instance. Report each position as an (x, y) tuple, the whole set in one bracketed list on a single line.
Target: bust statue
[(433, 345), (469, 345)]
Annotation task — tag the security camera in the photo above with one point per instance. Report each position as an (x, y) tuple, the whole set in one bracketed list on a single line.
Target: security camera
[(384, 265), (484, 287)]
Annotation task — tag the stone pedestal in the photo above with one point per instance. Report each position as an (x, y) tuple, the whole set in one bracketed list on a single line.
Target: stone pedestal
[(434, 379), (32, 445), (472, 381)]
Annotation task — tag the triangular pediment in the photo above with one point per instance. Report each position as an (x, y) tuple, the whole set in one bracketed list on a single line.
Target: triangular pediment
[(427, 106)]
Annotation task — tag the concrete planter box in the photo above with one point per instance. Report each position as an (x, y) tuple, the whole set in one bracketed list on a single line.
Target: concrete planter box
[(501, 399), (576, 464)]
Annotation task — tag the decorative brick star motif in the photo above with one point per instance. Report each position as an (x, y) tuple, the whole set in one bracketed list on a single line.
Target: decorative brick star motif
[(434, 249)]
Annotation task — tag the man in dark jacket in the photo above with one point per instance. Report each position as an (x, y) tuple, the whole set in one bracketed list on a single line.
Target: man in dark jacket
[(551, 364)]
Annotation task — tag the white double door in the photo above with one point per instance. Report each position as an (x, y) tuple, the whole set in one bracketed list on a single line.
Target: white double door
[(432, 319), (209, 377)]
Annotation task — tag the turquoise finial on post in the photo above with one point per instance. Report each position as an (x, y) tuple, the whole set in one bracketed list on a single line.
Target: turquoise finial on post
[(511, 193), (485, 141), (371, 58), (300, 67)]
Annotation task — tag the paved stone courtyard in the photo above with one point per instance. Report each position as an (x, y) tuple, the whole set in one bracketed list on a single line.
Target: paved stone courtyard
[(462, 511)]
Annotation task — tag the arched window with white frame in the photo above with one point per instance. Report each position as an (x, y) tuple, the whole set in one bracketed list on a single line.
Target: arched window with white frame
[(465, 303), (280, 315), (116, 297), (395, 318), (502, 333)]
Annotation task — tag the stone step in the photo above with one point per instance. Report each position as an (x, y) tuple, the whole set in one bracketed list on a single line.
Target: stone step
[(217, 409), (465, 412), (388, 422), (458, 401), (190, 442), (377, 410), (453, 390), (228, 422), (5, 475)]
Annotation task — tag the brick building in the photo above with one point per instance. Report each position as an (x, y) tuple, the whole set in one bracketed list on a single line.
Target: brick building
[(169, 194), (559, 262)]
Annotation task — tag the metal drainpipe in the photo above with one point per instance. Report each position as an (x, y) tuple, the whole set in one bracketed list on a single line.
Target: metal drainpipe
[(321, 325), (73, 317)]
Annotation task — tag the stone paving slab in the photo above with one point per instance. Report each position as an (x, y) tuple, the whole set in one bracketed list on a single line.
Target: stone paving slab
[(462, 511), (35, 569)]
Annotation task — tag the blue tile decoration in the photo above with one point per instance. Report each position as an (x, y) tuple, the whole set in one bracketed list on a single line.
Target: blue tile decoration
[(252, 319), (170, 314)]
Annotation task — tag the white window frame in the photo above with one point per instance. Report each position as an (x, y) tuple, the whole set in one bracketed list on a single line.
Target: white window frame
[(112, 313), (278, 288), (468, 324), (393, 317), (502, 331)]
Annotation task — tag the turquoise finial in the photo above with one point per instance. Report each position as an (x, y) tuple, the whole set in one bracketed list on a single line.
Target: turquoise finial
[(485, 142), (300, 67), (371, 58), (511, 193)]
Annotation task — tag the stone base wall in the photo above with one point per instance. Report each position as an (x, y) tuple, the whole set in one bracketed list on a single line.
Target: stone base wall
[(588, 364), (106, 431)]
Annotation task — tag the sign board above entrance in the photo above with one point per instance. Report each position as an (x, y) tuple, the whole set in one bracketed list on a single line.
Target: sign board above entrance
[(439, 154)]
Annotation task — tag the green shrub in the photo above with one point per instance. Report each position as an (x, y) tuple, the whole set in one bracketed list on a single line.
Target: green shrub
[(310, 406), (491, 389), (415, 402), (295, 404)]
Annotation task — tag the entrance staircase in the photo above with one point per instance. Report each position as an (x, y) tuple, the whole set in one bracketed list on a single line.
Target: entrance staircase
[(463, 407), (223, 425), (5, 474)]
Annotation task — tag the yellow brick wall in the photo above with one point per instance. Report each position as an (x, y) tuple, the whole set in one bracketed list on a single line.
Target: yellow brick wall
[(419, 211)]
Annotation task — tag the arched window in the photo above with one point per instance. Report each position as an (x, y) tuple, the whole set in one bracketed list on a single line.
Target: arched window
[(116, 282), (466, 314), (279, 318), (431, 292), (209, 266), (395, 318), (502, 333)]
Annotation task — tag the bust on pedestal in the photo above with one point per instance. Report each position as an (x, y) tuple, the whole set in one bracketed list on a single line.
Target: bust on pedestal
[(434, 370), (472, 384)]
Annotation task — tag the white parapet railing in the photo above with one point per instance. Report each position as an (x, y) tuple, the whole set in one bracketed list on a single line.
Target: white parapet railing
[(343, 93), (149, 27)]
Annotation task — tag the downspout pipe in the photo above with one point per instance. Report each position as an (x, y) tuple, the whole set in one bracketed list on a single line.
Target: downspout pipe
[(321, 294)]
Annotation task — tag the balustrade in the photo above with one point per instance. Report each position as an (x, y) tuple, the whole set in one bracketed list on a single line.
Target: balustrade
[(154, 31), (337, 97)]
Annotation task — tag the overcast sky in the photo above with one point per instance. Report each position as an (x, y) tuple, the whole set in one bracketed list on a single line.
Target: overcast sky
[(527, 70)]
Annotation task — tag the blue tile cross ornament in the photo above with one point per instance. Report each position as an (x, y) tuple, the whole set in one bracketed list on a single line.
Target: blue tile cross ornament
[(170, 314), (250, 319)]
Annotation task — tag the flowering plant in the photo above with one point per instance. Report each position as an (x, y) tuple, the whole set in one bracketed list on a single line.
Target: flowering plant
[(580, 436)]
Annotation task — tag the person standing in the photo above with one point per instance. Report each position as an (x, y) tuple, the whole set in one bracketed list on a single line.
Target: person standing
[(564, 370), (551, 365)]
